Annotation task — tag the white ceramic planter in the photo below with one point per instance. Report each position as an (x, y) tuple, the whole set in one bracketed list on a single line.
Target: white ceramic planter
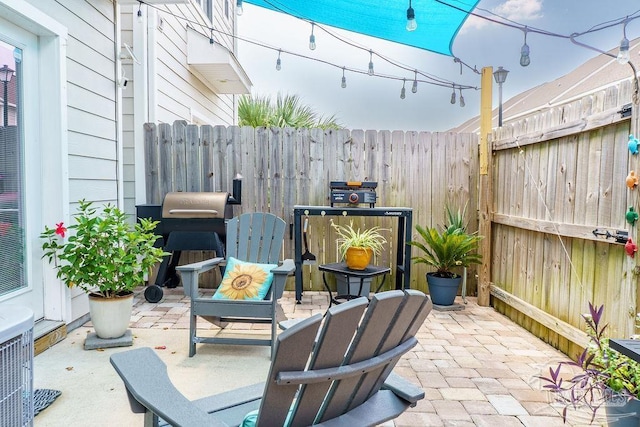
[(110, 316)]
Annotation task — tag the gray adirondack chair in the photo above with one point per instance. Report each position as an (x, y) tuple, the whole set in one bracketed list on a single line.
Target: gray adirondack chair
[(331, 372), (252, 237)]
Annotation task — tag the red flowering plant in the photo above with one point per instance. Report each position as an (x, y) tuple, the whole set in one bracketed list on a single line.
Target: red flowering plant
[(104, 253), (604, 376)]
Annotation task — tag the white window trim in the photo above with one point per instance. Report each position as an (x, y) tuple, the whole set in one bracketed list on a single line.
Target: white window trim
[(54, 153)]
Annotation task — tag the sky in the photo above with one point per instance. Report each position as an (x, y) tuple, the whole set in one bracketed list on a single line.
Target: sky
[(369, 102)]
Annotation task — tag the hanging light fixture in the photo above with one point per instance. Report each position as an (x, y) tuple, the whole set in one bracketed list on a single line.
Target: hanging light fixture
[(524, 51), (312, 38), (411, 19), (462, 104), (344, 80), (623, 53), (211, 40), (414, 88), (239, 9), (453, 94), (140, 13), (370, 72), (403, 91), (278, 62)]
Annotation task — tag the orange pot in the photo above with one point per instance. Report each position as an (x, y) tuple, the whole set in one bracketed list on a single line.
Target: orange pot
[(358, 258)]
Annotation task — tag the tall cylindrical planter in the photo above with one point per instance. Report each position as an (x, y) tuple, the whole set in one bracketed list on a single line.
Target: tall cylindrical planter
[(443, 290), (110, 316)]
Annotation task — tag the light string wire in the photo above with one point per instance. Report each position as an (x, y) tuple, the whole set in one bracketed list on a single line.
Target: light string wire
[(432, 80)]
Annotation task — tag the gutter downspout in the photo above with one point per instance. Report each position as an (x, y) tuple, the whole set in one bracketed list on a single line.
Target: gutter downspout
[(118, 107)]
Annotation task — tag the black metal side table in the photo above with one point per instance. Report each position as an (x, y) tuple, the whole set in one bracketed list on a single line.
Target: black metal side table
[(341, 268)]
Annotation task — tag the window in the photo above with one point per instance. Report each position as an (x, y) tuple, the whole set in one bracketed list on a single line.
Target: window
[(11, 153), (207, 8)]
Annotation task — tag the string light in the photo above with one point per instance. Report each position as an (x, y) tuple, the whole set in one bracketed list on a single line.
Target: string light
[(312, 38), (140, 13), (344, 80), (239, 9), (370, 72), (623, 53), (524, 51), (211, 41), (462, 104), (278, 62), (414, 88), (403, 91), (411, 19), (453, 95)]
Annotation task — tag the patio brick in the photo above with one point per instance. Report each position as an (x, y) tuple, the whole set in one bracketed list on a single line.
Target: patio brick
[(462, 394), (451, 410), (506, 405)]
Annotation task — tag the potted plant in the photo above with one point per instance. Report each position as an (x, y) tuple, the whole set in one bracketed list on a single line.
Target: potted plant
[(602, 377), (357, 246), (444, 250), (107, 257)]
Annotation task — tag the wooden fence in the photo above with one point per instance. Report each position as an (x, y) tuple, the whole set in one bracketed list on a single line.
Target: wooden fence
[(281, 168), (558, 176)]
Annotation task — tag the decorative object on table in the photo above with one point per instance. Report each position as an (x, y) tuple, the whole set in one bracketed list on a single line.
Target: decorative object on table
[(253, 250), (107, 257), (630, 248), (606, 378), (445, 250), (632, 180), (631, 216), (334, 369), (633, 144), (357, 246)]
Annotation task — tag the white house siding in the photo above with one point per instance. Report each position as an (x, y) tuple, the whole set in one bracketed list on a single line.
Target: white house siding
[(173, 91), (91, 110)]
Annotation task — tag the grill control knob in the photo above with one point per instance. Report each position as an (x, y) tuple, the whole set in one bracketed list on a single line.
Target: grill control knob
[(354, 198)]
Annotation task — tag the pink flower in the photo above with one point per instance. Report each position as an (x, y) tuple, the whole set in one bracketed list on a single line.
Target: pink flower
[(61, 229)]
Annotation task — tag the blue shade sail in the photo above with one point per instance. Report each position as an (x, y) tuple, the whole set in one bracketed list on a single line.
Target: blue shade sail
[(438, 21)]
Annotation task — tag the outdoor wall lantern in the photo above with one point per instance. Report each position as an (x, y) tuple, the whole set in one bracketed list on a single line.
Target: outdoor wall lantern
[(500, 75), (5, 77)]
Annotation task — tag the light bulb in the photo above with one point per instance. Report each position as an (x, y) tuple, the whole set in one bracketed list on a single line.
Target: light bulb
[(623, 53), (370, 72), (462, 104), (312, 42), (402, 91), (414, 87), (140, 15), (524, 55), (412, 24), (278, 64), (239, 10), (344, 82), (453, 96)]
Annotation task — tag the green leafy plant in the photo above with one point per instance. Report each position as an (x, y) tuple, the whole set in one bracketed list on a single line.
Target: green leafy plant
[(104, 253), (348, 236), (603, 373), (288, 111), (447, 249)]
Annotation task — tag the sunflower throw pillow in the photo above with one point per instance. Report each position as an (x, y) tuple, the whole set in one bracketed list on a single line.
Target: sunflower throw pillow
[(245, 280)]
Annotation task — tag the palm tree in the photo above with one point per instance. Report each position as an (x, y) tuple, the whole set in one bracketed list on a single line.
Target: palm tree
[(289, 111)]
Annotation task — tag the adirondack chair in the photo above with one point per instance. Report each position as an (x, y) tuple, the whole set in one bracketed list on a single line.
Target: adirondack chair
[(331, 372), (251, 237)]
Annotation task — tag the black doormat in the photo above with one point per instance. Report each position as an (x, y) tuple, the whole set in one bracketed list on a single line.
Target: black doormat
[(42, 398)]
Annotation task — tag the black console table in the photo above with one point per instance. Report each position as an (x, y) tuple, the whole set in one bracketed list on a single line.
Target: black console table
[(337, 268), (405, 224)]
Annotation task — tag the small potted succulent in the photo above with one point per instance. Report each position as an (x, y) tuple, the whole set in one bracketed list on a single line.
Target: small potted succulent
[(107, 257), (601, 378)]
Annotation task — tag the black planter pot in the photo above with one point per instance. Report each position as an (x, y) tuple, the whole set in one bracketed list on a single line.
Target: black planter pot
[(622, 413), (443, 290)]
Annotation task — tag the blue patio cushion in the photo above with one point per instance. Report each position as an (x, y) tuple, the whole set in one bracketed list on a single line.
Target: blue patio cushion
[(245, 280)]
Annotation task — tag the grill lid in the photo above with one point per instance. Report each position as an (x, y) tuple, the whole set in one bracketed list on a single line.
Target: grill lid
[(194, 205)]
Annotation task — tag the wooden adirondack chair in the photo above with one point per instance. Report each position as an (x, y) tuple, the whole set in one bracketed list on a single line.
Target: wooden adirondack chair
[(331, 372), (252, 237)]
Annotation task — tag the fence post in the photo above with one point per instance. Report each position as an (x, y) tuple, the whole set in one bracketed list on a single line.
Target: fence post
[(486, 198)]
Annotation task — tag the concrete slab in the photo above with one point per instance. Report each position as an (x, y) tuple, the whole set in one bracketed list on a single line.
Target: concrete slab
[(93, 342)]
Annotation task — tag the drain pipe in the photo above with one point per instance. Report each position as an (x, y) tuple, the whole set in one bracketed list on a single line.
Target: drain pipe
[(118, 82)]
